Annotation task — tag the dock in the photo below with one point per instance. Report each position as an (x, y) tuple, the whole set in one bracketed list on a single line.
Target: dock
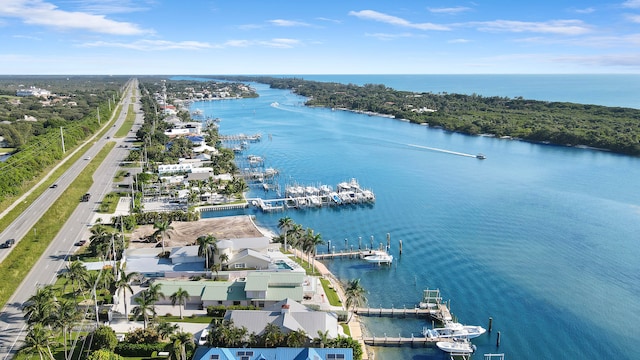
[(401, 341)]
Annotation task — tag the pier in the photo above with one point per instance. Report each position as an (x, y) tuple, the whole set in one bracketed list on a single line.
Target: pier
[(400, 341)]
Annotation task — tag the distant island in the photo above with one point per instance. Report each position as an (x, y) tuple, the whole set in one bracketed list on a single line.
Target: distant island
[(613, 129)]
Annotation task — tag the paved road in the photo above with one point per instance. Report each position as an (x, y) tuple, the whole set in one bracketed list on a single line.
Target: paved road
[(12, 325)]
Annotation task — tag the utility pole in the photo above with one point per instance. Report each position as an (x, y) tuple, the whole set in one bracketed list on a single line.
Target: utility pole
[(62, 137)]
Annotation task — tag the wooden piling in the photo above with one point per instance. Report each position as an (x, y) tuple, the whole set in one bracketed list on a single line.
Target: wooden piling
[(490, 324), (498, 340), (400, 246)]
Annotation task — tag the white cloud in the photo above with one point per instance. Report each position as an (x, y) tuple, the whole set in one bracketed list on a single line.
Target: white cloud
[(633, 18), (588, 10), (287, 23), (633, 4), (562, 27), (393, 20), (153, 45), (280, 43), (237, 43), (38, 12), (329, 20), (385, 36), (450, 10), (459, 41)]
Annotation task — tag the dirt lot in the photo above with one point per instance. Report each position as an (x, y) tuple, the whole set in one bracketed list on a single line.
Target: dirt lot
[(185, 233)]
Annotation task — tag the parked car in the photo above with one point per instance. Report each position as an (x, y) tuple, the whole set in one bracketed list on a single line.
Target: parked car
[(203, 337)]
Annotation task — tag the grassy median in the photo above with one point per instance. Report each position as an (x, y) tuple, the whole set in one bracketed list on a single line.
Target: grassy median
[(28, 250)]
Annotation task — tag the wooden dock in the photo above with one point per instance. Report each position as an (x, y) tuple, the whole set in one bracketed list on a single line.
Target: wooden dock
[(437, 313), (401, 341)]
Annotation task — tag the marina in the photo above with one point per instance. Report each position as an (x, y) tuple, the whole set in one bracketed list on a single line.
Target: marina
[(451, 212)]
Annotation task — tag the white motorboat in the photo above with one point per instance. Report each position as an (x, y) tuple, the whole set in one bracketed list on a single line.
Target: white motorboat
[(456, 347), (379, 257), (454, 330)]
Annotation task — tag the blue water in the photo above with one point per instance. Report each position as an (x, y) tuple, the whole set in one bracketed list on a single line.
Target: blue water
[(543, 239)]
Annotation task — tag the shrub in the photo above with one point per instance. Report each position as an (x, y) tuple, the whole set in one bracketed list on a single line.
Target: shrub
[(104, 338), (139, 350)]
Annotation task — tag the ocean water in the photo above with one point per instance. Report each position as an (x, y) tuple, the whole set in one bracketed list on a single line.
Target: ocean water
[(543, 239)]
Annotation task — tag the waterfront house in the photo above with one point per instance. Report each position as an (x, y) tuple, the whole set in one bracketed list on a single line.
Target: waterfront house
[(288, 315), (204, 353)]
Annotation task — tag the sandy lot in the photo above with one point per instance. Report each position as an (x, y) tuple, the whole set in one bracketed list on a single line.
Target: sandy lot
[(186, 233)]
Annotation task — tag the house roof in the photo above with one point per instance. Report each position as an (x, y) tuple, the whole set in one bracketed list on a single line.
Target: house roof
[(204, 353), (251, 254), (182, 252), (224, 291), (292, 320), (263, 280)]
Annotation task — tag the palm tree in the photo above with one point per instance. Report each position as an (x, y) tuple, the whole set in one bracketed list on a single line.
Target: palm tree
[(66, 315), (272, 335), (38, 341), (216, 268), (323, 338), (205, 245), (285, 224), (166, 329), (224, 258), (310, 242), (76, 272), (162, 228), (180, 343), (296, 338), (145, 306), (41, 306), (355, 296), (155, 294), (179, 297), (123, 285)]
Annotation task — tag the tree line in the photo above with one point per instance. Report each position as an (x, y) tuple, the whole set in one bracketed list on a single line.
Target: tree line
[(562, 123)]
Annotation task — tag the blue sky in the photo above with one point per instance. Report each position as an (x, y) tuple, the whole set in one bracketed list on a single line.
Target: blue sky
[(318, 37)]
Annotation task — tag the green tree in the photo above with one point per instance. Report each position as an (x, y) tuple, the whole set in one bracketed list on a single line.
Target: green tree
[(355, 295), (296, 338), (285, 224), (154, 293), (104, 338), (104, 354), (273, 335), (179, 297), (166, 329), (38, 341), (144, 307), (182, 345), (65, 317), (123, 284), (206, 247), (41, 307), (162, 228)]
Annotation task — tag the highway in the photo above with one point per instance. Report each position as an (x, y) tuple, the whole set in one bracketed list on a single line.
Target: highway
[(45, 271)]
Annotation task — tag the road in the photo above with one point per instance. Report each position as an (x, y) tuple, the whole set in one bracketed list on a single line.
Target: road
[(45, 271)]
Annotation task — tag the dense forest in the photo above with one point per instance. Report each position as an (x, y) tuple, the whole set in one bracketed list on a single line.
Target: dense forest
[(612, 128), (31, 125)]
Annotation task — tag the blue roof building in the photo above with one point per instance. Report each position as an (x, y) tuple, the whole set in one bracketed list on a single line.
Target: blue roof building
[(203, 353)]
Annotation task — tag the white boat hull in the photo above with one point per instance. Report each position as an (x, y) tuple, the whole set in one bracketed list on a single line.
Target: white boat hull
[(456, 347)]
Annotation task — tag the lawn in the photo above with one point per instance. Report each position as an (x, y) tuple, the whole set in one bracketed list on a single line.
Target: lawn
[(331, 293)]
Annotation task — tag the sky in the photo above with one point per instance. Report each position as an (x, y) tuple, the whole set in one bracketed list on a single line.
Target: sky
[(165, 37)]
